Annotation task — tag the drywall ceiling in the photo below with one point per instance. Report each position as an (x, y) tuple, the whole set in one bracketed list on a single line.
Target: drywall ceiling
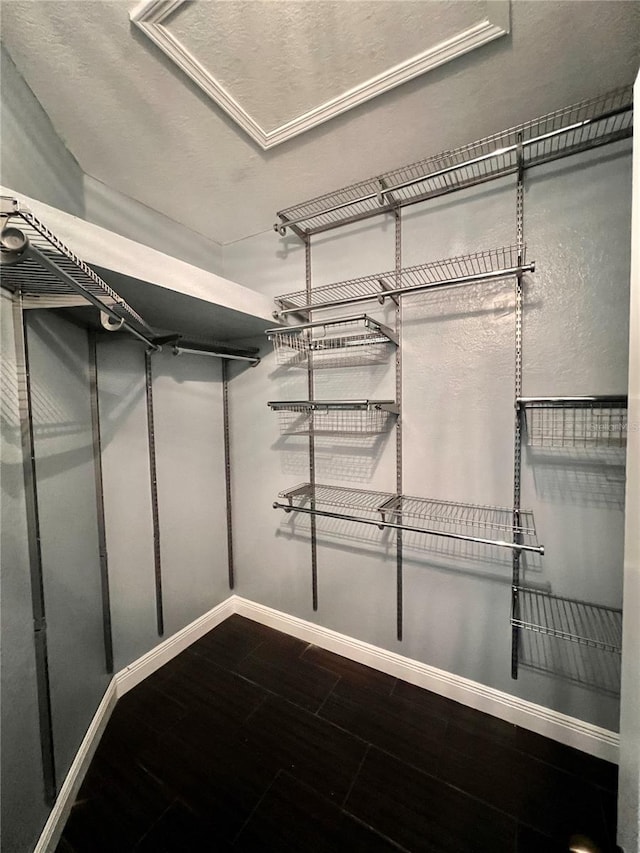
[(137, 122)]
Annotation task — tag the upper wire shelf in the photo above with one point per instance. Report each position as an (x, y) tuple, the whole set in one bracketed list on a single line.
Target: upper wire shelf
[(48, 274), (576, 128), (582, 422), (464, 269), (331, 417), (346, 342), (588, 624), (487, 525)]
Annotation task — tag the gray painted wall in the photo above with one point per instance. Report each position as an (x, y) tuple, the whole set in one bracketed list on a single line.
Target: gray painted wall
[(23, 809), (187, 396), (33, 158), (58, 353), (35, 161), (458, 432)]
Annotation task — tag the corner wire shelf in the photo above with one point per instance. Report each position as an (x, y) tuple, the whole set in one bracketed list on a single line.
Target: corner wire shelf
[(335, 417), (486, 525), (575, 422), (349, 341), (452, 272), (587, 624), (49, 275), (576, 128)]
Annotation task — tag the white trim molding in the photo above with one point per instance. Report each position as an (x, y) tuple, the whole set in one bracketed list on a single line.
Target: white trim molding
[(52, 831), (544, 721), (146, 665), (150, 17), (552, 724)]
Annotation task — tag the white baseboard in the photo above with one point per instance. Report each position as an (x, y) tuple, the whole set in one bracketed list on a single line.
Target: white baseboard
[(552, 724), (146, 665), (50, 835)]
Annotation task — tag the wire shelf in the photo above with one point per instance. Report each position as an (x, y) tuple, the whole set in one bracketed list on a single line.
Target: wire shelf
[(576, 128), (347, 342), (344, 417), (487, 525), (580, 622), (464, 269), (43, 288), (578, 422)]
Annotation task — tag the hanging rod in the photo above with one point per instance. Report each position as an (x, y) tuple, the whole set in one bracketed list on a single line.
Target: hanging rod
[(449, 519), (178, 350), (620, 399), (579, 127), (30, 252), (514, 546), (487, 265)]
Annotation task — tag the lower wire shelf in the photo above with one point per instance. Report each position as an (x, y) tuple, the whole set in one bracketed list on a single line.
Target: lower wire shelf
[(486, 525), (582, 622)]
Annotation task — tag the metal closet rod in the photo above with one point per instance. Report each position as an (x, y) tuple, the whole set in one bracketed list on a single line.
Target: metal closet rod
[(514, 546), (598, 398), (63, 276), (498, 152), (178, 350), (420, 288)]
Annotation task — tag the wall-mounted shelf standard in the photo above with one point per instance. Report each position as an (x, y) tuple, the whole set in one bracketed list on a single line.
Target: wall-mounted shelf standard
[(331, 417), (349, 341), (485, 525), (568, 619), (452, 272), (579, 127), (582, 422), (49, 275)]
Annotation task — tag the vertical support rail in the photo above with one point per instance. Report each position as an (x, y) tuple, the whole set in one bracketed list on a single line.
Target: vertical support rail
[(517, 438), (102, 537), (43, 687), (398, 397), (312, 442), (154, 493), (227, 467)]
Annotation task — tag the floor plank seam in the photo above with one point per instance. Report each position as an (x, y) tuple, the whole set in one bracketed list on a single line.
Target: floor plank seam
[(279, 771), (355, 776), (377, 832), (153, 825)]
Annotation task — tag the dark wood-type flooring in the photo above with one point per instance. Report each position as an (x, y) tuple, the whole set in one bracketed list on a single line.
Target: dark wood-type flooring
[(252, 740)]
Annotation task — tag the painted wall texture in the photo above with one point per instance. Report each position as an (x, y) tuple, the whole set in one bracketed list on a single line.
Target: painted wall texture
[(35, 161), (65, 476), (23, 808), (458, 387), (187, 399)]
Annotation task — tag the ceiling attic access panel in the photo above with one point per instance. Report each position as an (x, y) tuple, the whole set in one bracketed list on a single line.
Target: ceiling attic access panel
[(243, 56)]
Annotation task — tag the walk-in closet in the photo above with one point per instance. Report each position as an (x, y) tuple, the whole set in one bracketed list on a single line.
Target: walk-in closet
[(320, 446)]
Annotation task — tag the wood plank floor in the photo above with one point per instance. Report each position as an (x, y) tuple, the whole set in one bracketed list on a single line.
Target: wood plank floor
[(252, 740)]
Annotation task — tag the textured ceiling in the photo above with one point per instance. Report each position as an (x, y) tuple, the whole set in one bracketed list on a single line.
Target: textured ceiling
[(278, 63), (137, 123)]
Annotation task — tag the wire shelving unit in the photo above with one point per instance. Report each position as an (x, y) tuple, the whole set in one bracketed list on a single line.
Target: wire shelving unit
[(347, 342), (331, 417), (474, 268), (575, 422), (582, 622), (588, 124), (485, 525), (49, 275)]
